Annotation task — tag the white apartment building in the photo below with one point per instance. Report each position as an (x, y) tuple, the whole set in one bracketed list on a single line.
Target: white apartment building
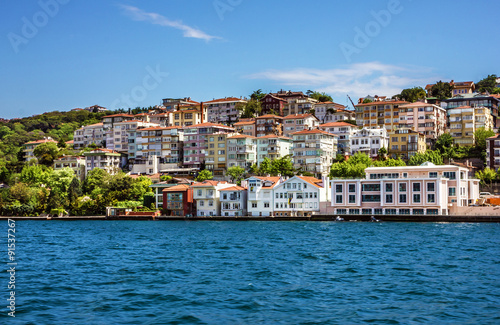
[(233, 201), (106, 159), (426, 189), (241, 151), (327, 112), (369, 141), (298, 122), (76, 163), (260, 195), (273, 147), (314, 151), (117, 136), (224, 110), (86, 135), (344, 131), (207, 197)]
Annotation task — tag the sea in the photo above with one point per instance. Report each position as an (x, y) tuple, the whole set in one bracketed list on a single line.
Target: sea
[(251, 272)]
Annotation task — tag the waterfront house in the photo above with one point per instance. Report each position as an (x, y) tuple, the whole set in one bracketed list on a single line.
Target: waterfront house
[(207, 197), (493, 152), (260, 195), (426, 189), (300, 196), (233, 201), (178, 201)]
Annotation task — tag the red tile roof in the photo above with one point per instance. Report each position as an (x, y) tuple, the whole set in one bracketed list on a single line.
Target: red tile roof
[(209, 183), (209, 124), (313, 131), (241, 136), (227, 99), (245, 123), (273, 136), (272, 179), (41, 141), (332, 124), (392, 102), (177, 188), (311, 180), (297, 116), (270, 116), (234, 188)]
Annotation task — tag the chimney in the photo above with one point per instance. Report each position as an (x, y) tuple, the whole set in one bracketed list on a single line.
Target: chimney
[(201, 109)]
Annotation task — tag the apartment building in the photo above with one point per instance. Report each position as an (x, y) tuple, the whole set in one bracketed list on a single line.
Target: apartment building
[(29, 147), (233, 201), (406, 143), (106, 159), (299, 196), (344, 131), (425, 189), (298, 122), (156, 149), (241, 151), (268, 124), (369, 141), (246, 126), (465, 120), (314, 151), (382, 113), (172, 104), (273, 147), (110, 120), (207, 197), (475, 100), (224, 110), (260, 195), (327, 112), (272, 105), (216, 153), (161, 119), (89, 134), (493, 152), (188, 115), (196, 144), (296, 102), (425, 118), (76, 163), (459, 88)]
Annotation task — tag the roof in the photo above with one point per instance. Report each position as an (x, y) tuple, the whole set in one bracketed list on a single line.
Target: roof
[(241, 136), (274, 136), (332, 124), (332, 103), (390, 102), (209, 183), (227, 99), (314, 131), (416, 104), (209, 124), (245, 123), (270, 116), (297, 116), (96, 124), (277, 98), (70, 142), (272, 179), (41, 141), (496, 136), (234, 188), (103, 151), (118, 115), (311, 180), (177, 188)]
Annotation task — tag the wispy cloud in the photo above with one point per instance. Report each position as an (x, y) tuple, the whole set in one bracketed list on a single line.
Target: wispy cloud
[(357, 80), (157, 19)]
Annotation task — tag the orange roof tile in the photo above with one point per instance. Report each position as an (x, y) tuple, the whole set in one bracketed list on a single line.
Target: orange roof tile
[(332, 124), (241, 136), (273, 179), (209, 183), (41, 141), (270, 116), (177, 188), (313, 131), (245, 123), (273, 136), (227, 99), (383, 103), (234, 188), (311, 180), (208, 124), (296, 116)]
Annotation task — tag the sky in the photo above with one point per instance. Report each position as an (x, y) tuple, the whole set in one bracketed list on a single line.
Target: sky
[(65, 54)]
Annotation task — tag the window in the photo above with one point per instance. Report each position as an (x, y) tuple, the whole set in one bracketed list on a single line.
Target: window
[(352, 198), (338, 199), (388, 187), (452, 191), (202, 203), (450, 175), (402, 198), (371, 187), (199, 192), (430, 187), (431, 198), (388, 198), (224, 196), (352, 188), (370, 198), (266, 204), (402, 187), (338, 188), (210, 203), (278, 195), (416, 198), (433, 175), (416, 187), (254, 205)]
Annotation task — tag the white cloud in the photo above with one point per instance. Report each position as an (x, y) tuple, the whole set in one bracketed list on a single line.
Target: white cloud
[(357, 80), (157, 19)]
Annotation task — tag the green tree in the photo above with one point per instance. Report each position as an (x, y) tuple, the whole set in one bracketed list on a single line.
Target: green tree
[(249, 109), (257, 95), (413, 94), (320, 97), (486, 176), (418, 159), (480, 136), (443, 142), (354, 167), (265, 167), (204, 175), (254, 169), (165, 178), (282, 166), (46, 153), (367, 100), (382, 153), (95, 179), (487, 84), (441, 90), (236, 174), (35, 175)]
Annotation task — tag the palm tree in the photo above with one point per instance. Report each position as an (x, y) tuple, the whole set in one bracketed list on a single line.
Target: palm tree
[(328, 112)]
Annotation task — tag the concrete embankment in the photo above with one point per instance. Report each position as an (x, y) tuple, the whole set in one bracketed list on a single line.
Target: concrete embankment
[(351, 218)]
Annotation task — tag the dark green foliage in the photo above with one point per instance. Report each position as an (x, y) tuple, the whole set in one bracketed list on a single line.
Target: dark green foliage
[(488, 84), (204, 175), (320, 97), (441, 90), (412, 94), (434, 157)]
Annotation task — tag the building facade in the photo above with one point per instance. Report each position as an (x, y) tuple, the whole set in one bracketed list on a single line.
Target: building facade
[(260, 195), (233, 201), (406, 143), (272, 105), (314, 151), (298, 122), (87, 135), (268, 124), (207, 197), (475, 100), (369, 141), (246, 127), (76, 163), (344, 131), (327, 112), (425, 118), (105, 159), (241, 151), (382, 113), (465, 120), (493, 152), (224, 110), (29, 147), (178, 201), (425, 189), (273, 147)]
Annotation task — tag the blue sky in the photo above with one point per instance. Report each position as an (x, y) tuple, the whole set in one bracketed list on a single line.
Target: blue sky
[(134, 53)]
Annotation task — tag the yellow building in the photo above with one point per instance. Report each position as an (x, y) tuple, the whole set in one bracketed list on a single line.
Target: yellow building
[(188, 115), (405, 143), (379, 113), (216, 153), (465, 120)]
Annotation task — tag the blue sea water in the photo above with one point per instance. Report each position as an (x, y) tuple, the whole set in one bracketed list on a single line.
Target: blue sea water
[(181, 272)]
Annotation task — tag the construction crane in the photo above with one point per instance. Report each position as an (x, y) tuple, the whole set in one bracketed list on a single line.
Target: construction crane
[(351, 101)]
